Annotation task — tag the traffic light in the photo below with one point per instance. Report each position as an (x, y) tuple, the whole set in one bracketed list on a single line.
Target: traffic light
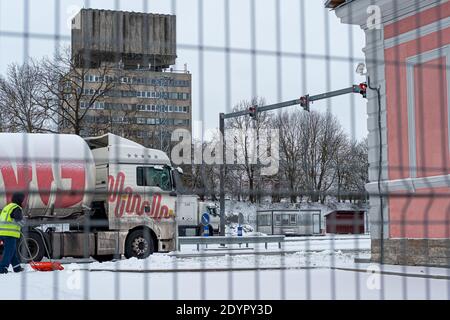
[(305, 102), (363, 89), (252, 112)]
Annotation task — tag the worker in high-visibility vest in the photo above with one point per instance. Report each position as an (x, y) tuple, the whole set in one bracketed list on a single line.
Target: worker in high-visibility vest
[(10, 227)]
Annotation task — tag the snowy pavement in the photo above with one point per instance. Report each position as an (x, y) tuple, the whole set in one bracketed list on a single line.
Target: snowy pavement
[(318, 269), (287, 284)]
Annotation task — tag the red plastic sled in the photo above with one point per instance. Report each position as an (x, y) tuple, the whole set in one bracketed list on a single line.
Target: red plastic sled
[(46, 266)]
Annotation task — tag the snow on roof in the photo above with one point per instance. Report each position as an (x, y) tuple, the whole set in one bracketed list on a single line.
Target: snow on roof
[(109, 139), (122, 150), (345, 211)]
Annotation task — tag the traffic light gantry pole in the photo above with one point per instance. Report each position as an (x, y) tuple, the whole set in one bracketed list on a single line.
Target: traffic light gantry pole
[(303, 101)]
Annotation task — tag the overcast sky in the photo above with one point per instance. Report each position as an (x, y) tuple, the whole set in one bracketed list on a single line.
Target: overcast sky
[(47, 18)]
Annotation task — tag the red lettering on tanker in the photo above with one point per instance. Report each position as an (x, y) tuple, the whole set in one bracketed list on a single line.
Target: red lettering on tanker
[(130, 203), (21, 179), (76, 173), (13, 182)]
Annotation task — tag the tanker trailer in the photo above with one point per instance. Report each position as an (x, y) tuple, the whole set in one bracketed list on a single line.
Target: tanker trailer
[(101, 196)]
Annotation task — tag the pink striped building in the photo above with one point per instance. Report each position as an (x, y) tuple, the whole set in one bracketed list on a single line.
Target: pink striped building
[(408, 57)]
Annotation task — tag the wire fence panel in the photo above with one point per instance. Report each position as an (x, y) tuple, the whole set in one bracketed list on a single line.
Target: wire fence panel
[(225, 150)]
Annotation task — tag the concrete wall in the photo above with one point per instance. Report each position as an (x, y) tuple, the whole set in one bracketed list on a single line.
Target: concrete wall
[(423, 252), (134, 38)]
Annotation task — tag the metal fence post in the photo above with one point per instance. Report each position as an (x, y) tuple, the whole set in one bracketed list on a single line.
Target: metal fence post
[(222, 175)]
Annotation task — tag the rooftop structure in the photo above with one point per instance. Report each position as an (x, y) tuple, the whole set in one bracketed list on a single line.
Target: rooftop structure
[(131, 38)]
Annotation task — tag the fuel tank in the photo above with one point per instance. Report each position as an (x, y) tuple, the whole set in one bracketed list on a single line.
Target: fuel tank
[(56, 172)]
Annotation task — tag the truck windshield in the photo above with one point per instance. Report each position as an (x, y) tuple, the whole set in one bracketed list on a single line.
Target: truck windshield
[(154, 177)]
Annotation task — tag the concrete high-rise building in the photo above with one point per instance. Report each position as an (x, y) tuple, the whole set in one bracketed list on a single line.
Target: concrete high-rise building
[(134, 52)]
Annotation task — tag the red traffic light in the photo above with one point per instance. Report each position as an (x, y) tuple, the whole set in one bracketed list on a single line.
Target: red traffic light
[(252, 111), (363, 89), (305, 102)]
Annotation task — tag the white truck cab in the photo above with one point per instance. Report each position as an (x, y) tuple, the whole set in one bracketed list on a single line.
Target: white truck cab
[(189, 216)]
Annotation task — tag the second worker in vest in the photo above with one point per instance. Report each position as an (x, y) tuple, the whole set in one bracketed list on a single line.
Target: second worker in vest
[(10, 231)]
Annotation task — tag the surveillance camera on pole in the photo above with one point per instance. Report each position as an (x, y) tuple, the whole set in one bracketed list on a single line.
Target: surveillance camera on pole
[(361, 69)]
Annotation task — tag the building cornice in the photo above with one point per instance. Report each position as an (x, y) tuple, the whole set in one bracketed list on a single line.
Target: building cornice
[(356, 12)]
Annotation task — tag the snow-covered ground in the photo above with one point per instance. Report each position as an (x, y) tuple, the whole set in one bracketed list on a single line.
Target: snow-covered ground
[(315, 268), (274, 284)]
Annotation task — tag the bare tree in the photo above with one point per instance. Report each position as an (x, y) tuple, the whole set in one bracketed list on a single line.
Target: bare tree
[(309, 144), (161, 133), (325, 138), (69, 92), (118, 120), (244, 129), (291, 138), (21, 97), (202, 178), (352, 170), (3, 122), (316, 157)]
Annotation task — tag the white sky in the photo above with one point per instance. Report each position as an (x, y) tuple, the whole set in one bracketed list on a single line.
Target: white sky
[(344, 42)]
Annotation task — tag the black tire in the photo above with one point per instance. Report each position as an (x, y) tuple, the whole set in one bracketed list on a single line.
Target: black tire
[(139, 244), (35, 246)]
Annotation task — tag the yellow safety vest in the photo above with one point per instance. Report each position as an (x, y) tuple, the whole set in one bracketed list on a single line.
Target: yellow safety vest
[(8, 227)]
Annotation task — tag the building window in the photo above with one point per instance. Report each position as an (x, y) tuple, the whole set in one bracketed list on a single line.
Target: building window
[(264, 220), (99, 106), (428, 66), (277, 220), (140, 120), (285, 219), (293, 219)]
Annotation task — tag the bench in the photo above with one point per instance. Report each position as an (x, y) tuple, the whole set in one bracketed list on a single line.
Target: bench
[(230, 240)]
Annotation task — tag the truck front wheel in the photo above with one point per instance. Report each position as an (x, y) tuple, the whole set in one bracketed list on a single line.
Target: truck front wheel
[(139, 244)]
